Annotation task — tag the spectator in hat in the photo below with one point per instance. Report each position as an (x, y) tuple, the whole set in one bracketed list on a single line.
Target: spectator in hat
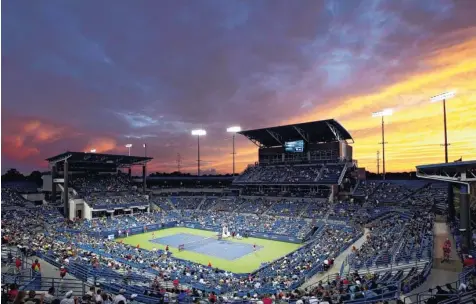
[(120, 297), (133, 299), (68, 298)]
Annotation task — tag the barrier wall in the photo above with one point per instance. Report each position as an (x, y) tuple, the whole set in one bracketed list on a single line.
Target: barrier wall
[(118, 206)]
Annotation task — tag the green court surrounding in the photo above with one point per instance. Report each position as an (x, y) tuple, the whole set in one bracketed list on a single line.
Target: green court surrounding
[(269, 250)]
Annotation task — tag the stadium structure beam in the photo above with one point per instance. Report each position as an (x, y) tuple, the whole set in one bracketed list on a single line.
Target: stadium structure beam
[(334, 131), (302, 133), (457, 173), (276, 136), (60, 159)]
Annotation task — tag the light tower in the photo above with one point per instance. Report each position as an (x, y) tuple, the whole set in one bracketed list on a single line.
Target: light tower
[(198, 133), (443, 97), (383, 113), (233, 130), (129, 146), (145, 149)]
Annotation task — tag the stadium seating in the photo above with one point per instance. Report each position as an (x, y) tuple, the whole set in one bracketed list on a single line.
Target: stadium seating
[(398, 238), (101, 183)]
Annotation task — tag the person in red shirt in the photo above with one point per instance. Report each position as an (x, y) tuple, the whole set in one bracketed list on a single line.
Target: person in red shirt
[(209, 264), (62, 272), (267, 300), (13, 292), (469, 261), (167, 248), (18, 264), (36, 267), (176, 283)]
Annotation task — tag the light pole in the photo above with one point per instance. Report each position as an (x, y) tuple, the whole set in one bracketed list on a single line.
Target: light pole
[(383, 113), (198, 133), (145, 149), (443, 97), (129, 146), (233, 130)]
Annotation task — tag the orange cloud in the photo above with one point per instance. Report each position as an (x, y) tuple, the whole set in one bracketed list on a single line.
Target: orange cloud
[(415, 132), (14, 147), (101, 145), (42, 132)]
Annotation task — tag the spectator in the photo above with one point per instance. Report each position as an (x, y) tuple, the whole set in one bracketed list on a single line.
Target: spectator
[(32, 298), (120, 297), (68, 298), (49, 297), (20, 298), (13, 292), (36, 267)]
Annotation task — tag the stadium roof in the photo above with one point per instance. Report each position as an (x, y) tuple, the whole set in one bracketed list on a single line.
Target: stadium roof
[(312, 132), (85, 157), (462, 165), (463, 172)]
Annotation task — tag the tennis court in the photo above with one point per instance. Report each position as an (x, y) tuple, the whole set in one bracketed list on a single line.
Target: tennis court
[(230, 254), (211, 246)]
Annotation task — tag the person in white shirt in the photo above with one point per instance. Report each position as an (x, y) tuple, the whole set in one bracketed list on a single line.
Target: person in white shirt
[(120, 297), (68, 298)]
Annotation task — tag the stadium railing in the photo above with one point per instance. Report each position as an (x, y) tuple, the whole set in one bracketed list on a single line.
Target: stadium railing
[(422, 297)]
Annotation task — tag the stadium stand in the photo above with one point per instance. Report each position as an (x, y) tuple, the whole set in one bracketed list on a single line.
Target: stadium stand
[(311, 199)]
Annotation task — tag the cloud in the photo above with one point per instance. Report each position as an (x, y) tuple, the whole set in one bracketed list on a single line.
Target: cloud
[(76, 75), (101, 145)]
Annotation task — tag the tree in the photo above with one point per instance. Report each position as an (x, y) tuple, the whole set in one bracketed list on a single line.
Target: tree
[(35, 177), (12, 175)]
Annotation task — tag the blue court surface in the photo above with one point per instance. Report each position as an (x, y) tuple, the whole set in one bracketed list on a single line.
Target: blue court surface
[(222, 249)]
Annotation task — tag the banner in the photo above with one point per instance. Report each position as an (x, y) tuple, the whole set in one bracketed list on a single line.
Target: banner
[(110, 237)]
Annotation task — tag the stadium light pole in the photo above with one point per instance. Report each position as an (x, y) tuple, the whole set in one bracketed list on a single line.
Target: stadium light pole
[(443, 97), (233, 130), (383, 113), (145, 149), (129, 146), (198, 133)]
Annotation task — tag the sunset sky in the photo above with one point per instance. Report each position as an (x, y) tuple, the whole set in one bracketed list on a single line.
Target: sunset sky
[(89, 74)]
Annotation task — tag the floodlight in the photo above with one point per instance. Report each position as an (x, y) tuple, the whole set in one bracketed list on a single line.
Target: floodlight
[(93, 151), (144, 145), (199, 132), (386, 112), (128, 145), (234, 129), (443, 96)]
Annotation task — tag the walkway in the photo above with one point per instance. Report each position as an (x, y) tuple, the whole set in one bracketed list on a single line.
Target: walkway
[(324, 276)]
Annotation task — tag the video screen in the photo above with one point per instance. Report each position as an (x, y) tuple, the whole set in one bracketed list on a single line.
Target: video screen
[(294, 146)]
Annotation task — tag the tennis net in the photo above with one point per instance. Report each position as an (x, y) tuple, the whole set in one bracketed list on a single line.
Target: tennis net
[(196, 244)]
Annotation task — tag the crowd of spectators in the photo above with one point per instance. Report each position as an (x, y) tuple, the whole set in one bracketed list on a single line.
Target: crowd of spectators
[(394, 238), (289, 207), (102, 183), (297, 174), (11, 198), (107, 199)]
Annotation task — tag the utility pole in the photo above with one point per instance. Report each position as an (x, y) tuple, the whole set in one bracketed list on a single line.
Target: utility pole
[(179, 162), (378, 163)]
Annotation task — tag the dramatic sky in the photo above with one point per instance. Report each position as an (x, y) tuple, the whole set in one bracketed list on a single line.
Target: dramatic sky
[(89, 74)]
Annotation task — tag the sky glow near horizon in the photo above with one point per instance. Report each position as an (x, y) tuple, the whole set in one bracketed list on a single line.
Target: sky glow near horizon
[(88, 75)]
